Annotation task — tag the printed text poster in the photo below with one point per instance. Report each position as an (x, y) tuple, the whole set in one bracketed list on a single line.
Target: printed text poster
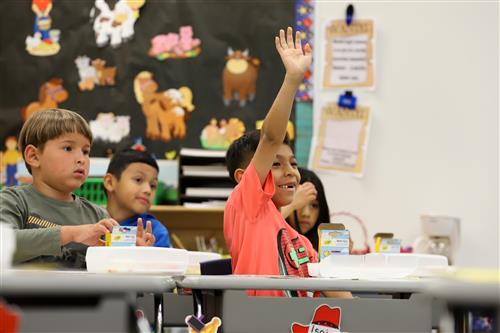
[(349, 53)]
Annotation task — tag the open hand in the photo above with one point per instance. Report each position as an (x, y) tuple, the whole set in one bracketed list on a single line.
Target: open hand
[(90, 234), (306, 193), (296, 60), (144, 238)]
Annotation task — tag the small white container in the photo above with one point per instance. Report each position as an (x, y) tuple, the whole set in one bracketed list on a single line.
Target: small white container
[(137, 259)]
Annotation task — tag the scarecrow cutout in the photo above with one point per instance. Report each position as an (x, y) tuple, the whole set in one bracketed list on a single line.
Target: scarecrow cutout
[(239, 77), (94, 73), (45, 40), (111, 128), (175, 46), (166, 111), (8, 161), (115, 26), (220, 136), (50, 95), (325, 319)]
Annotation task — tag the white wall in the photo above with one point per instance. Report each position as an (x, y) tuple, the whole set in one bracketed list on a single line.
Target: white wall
[(433, 141)]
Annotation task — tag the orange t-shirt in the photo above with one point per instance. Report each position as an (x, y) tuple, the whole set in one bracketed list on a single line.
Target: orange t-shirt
[(259, 239)]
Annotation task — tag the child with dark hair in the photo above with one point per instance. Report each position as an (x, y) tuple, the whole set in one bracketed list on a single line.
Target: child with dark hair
[(265, 170), (309, 207), (130, 184)]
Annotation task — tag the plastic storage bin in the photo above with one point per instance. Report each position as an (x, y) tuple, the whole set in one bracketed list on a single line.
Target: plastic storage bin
[(137, 259)]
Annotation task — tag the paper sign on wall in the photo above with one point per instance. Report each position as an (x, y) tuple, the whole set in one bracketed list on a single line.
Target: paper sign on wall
[(349, 54), (342, 139)]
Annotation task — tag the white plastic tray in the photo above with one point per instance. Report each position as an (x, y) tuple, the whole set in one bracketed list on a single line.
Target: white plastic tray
[(134, 259), (378, 266)]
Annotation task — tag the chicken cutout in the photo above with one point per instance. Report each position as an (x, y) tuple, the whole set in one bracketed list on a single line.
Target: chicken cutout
[(221, 135)]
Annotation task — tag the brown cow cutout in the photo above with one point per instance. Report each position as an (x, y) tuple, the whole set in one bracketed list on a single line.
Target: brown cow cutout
[(50, 95), (239, 77), (165, 111)]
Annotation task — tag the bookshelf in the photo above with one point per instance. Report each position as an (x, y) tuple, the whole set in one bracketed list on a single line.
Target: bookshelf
[(188, 223), (203, 178)]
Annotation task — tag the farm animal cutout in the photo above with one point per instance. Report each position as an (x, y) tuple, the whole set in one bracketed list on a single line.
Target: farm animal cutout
[(108, 127), (239, 77), (97, 74), (165, 111), (117, 25), (172, 45), (50, 95), (45, 41), (220, 136), (290, 128)]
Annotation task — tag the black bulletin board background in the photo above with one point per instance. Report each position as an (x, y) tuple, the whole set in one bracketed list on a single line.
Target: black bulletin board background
[(219, 25)]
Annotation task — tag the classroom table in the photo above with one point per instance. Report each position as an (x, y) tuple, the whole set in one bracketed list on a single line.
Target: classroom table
[(76, 301), (386, 305), (469, 303)]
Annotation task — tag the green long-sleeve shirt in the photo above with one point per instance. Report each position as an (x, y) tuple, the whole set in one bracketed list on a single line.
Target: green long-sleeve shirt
[(37, 221)]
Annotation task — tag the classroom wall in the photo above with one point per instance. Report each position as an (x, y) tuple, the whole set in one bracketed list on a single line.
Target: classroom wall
[(433, 140)]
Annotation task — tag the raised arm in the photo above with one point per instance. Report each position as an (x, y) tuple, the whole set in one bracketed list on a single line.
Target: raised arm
[(296, 61)]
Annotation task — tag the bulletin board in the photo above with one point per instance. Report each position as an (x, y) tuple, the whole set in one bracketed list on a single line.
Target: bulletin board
[(219, 25)]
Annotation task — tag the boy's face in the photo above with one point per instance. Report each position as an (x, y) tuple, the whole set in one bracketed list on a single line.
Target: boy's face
[(286, 176), (63, 163), (134, 192)]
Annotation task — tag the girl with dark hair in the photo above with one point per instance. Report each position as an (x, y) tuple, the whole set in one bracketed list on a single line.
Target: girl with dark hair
[(309, 207)]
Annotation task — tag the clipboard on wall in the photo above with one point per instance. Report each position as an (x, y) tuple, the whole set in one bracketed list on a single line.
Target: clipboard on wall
[(342, 139), (349, 54)]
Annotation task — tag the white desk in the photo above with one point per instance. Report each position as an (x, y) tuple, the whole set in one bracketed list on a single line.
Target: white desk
[(37, 282), (76, 301), (244, 282), (224, 296)]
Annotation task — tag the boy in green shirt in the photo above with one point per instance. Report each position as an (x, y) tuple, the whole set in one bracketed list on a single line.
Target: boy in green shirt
[(51, 223)]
